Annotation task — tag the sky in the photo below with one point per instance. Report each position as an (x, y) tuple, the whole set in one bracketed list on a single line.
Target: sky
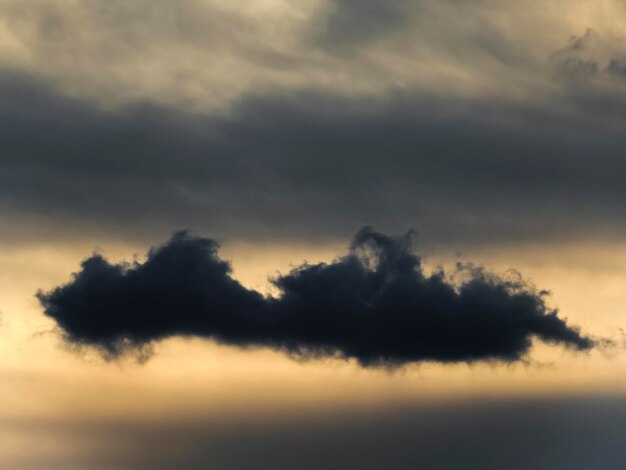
[(312, 234)]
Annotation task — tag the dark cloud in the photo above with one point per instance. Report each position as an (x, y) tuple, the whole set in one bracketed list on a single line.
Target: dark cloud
[(376, 305)]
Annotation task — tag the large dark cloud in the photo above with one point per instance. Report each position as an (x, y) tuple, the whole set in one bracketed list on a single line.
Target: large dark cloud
[(376, 305)]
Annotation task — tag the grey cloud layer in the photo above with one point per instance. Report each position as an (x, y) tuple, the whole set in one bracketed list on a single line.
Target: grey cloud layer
[(316, 165), (447, 116)]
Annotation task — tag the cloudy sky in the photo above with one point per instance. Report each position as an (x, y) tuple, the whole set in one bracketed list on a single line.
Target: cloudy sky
[(312, 234)]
